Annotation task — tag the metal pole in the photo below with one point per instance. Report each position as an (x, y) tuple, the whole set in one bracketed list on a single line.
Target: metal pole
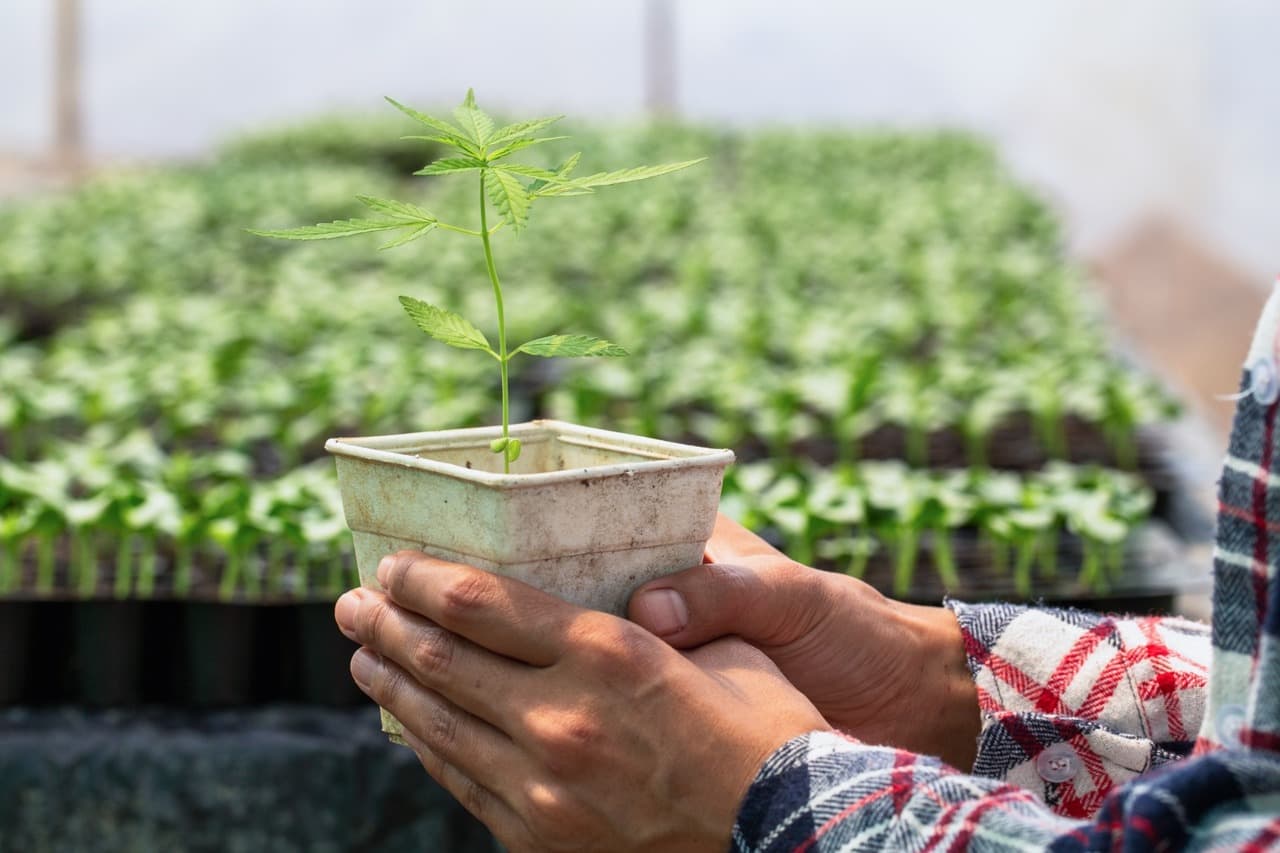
[(68, 130), (660, 58)]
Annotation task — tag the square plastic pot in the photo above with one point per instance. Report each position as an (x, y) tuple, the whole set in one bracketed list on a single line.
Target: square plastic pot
[(586, 514)]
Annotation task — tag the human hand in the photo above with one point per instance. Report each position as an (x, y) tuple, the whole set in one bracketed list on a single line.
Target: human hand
[(883, 671), (562, 728)]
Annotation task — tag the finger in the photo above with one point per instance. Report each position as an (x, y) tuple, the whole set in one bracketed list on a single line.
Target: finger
[(476, 749), (499, 613), (731, 541), (745, 672), (730, 654), (765, 601), (482, 803), (473, 678)]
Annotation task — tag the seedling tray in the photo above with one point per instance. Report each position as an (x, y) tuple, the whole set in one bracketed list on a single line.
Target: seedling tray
[(100, 653)]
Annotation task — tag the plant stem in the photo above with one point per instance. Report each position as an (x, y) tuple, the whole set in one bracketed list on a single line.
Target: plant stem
[(917, 444), (905, 562), (45, 562), (975, 443), (801, 549), (10, 565), (1091, 574), (85, 560), (1114, 557), (999, 552), (147, 567), (1049, 553), (182, 566), (502, 324), (861, 555), (276, 549), (847, 449), (124, 566), (254, 569), (231, 573), (1123, 445), (333, 586), (944, 560), (17, 443), (1026, 550)]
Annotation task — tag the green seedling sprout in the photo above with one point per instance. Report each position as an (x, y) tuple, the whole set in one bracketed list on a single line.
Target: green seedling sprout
[(480, 148), (11, 529), (158, 514)]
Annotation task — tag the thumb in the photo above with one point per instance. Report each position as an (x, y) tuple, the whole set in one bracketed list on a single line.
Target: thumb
[(764, 604)]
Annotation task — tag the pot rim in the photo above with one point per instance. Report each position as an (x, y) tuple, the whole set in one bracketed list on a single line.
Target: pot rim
[(399, 449)]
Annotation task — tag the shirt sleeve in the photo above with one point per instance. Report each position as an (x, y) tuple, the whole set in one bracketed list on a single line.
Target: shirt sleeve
[(1075, 703), (826, 792)]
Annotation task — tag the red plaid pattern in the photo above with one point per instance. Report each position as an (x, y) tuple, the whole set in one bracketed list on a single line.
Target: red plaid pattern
[(1126, 693)]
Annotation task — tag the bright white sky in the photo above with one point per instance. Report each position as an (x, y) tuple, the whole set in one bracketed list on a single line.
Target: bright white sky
[(1115, 110)]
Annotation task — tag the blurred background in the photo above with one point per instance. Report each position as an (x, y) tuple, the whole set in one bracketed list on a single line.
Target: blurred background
[(1150, 126), (1040, 233)]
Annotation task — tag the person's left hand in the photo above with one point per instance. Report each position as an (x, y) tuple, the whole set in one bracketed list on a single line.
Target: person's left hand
[(562, 728)]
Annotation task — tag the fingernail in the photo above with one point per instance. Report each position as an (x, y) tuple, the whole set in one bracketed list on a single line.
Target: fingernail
[(364, 664), (345, 611), (384, 569), (662, 611)]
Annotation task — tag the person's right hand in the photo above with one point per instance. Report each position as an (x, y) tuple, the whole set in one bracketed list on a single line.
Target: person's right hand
[(883, 671)]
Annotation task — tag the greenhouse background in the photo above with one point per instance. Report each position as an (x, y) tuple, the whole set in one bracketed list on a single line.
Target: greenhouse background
[(1039, 235)]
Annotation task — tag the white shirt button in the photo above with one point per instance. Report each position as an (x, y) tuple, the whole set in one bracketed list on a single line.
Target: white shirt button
[(1264, 383), (1228, 723), (1057, 763)]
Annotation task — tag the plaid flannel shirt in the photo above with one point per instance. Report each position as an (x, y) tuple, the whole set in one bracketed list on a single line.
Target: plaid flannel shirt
[(1099, 732)]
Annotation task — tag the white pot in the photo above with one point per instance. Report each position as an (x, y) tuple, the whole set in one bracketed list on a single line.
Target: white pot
[(586, 514)]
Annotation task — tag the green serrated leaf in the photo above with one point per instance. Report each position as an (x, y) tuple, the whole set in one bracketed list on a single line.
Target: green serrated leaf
[(637, 173), (330, 230), (569, 165), (398, 209), (475, 122), (445, 326), (410, 237), (509, 196), (430, 121), (521, 129), (444, 140), (520, 145), (448, 133), (572, 346), (562, 172), (546, 189), (451, 164), (527, 171)]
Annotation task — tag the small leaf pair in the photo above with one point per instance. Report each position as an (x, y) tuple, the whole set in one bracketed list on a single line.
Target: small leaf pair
[(509, 447), (456, 331)]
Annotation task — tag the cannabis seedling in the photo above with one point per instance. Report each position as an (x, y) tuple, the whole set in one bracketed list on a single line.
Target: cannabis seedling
[(512, 188)]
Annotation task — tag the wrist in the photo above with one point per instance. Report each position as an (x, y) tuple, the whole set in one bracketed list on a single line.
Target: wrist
[(946, 698)]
